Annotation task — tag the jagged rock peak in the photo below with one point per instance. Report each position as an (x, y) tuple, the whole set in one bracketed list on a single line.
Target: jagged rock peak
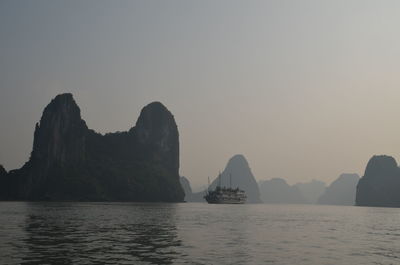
[(381, 164), (60, 134), (157, 129), (63, 104), (71, 162), (154, 116), (238, 160), (62, 112)]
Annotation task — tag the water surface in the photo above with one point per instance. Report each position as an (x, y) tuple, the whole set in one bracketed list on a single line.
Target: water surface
[(196, 233)]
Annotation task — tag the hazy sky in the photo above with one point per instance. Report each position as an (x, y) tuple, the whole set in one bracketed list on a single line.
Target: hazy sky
[(304, 89)]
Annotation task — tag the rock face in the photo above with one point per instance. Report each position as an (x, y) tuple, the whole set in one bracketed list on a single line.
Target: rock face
[(3, 179), (3, 172), (191, 196), (311, 190), (237, 173), (60, 135), (186, 188), (380, 184), (71, 162), (276, 190), (342, 191)]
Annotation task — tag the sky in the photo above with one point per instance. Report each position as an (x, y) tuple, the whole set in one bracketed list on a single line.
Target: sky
[(304, 89)]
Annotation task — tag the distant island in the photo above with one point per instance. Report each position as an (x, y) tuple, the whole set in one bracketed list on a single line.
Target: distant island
[(380, 184), (276, 190), (342, 191), (237, 173), (311, 190), (71, 162)]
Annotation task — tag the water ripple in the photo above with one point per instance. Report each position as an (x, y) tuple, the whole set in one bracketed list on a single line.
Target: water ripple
[(129, 233)]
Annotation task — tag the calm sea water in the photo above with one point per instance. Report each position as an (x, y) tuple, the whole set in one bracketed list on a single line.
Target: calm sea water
[(196, 233)]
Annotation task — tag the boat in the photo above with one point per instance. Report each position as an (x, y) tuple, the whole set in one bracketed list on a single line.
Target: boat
[(223, 195)]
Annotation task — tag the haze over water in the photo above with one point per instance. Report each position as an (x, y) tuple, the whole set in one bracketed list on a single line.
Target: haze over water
[(304, 89), (196, 233)]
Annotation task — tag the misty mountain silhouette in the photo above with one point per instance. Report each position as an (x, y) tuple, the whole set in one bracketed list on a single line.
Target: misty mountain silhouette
[(186, 188), (342, 191), (276, 190), (71, 162), (311, 190), (237, 173), (380, 184)]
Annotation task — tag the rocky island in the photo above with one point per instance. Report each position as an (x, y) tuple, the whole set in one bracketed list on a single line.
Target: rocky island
[(342, 191), (380, 184), (276, 190), (69, 161), (237, 174)]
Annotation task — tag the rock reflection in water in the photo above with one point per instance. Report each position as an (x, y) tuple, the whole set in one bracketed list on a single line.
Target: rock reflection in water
[(82, 233), (196, 233)]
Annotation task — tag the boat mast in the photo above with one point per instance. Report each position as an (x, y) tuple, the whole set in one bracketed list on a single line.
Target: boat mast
[(230, 180)]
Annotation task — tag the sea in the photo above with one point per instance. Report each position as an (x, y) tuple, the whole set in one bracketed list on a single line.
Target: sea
[(196, 233)]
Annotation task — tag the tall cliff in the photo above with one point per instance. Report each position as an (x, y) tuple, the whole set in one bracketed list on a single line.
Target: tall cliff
[(380, 184), (71, 162), (342, 191)]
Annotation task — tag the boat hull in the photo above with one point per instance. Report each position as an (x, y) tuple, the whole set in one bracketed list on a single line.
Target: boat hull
[(225, 196), (226, 202)]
